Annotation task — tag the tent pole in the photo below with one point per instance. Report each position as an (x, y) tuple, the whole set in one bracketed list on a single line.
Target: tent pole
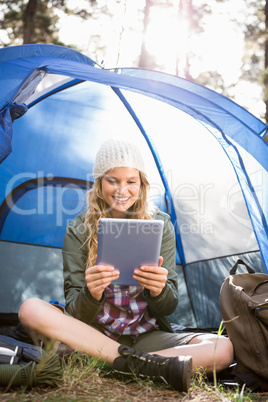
[(168, 197)]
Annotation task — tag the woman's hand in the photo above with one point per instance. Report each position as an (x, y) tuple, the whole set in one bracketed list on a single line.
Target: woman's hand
[(98, 278), (152, 278)]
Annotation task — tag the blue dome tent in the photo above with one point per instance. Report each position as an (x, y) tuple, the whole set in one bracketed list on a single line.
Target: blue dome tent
[(206, 159)]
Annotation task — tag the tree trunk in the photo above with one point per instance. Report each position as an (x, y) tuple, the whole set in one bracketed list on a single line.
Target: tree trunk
[(185, 13), (144, 54), (266, 63), (29, 15)]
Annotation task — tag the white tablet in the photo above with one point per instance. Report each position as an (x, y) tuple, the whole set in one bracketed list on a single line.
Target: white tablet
[(127, 244)]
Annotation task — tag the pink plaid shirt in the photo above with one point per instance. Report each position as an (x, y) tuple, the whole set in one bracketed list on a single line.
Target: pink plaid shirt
[(124, 312)]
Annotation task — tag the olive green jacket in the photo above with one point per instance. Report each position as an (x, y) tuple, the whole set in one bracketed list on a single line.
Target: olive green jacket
[(79, 302)]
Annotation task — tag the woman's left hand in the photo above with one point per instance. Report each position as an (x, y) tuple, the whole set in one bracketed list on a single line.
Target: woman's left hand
[(152, 278)]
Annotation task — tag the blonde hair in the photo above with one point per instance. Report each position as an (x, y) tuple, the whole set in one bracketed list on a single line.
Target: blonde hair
[(98, 208)]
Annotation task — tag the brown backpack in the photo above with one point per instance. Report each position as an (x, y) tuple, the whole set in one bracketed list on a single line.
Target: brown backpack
[(244, 308)]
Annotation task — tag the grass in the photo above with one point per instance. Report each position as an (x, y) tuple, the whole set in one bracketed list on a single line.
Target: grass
[(87, 379)]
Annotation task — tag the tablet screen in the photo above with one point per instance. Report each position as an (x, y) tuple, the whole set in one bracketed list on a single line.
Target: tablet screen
[(127, 244)]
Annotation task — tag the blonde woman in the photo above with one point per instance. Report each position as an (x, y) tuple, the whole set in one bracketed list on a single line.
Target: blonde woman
[(123, 325)]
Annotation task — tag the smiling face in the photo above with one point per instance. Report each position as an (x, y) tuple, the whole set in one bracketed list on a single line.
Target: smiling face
[(120, 189)]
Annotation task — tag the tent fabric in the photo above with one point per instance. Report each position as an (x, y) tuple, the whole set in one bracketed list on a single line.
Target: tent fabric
[(206, 158), (10, 113), (206, 313), (5, 134), (55, 157), (198, 100)]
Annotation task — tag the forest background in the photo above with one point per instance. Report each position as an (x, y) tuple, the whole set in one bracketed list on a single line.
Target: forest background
[(222, 44)]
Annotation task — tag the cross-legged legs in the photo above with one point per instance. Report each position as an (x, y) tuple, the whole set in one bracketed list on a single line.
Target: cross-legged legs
[(43, 320)]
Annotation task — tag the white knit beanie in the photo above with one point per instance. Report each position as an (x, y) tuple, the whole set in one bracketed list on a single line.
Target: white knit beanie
[(117, 153)]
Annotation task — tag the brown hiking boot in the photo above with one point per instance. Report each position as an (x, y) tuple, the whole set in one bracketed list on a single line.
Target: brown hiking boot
[(173, 371)]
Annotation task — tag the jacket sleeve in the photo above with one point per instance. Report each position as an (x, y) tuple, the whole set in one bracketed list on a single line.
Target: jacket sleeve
[(167, 301), (79, 302)]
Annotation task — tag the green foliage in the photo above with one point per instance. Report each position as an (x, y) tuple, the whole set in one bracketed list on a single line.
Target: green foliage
[(34, 21), (43, 22)]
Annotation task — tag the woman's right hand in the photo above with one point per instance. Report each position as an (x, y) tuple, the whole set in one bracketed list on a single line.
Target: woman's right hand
[(98, 278)]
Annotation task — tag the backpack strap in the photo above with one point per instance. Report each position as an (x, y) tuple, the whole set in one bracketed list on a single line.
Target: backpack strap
[(239, 261)]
